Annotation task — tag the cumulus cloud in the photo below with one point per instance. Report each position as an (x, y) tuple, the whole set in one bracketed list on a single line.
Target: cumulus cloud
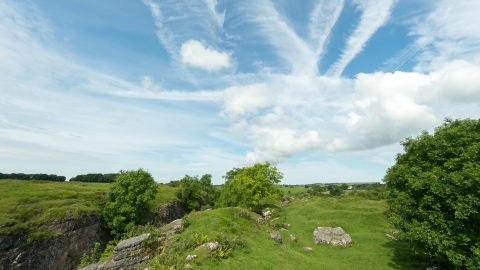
[(390, 106), (244, 100), (195, 54)]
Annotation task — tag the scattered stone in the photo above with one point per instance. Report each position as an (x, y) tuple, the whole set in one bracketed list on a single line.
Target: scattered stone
[(294, 239), (276, 236), (391, 237), (260, 220), (432, 268), (283, 229), (332, 236), (266, 215), (188, 266), (212, 245), (191, 257), (307, 248)]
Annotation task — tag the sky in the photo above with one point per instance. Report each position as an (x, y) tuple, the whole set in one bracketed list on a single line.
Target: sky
[(325, 90)]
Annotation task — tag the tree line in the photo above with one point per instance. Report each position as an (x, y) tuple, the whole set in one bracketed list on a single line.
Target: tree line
[(36, 176), (95, 178)]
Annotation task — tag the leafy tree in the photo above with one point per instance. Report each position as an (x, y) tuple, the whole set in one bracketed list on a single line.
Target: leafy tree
[(335, 190), (318, 189), (190, 192), (247, 186), (344, 186), (127, 200), (433, 192)]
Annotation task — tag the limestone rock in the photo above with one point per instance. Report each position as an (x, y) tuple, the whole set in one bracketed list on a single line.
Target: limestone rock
[(332, 236), (212, 245), (191, 257), (276, 236), (188, 266), (307, 248)]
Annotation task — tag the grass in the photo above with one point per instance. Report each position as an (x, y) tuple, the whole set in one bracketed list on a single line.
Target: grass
[(293, 190), (28, 205), (252, 247)]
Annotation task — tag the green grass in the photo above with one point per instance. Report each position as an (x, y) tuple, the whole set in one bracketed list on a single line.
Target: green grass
[(29, 204), (253, 249), (293, 190)]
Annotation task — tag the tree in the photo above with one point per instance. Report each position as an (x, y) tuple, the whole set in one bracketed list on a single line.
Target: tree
[(127, 200), (247, 186), (336, 190), (190, 192), (433, 192)]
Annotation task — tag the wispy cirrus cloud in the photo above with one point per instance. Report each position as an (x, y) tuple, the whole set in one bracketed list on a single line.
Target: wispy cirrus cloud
[(374, 15)]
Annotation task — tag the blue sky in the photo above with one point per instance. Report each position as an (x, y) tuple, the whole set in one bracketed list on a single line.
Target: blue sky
[(325, 90)]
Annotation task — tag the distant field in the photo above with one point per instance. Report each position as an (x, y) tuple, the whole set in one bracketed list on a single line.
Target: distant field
[(293, 190), (25, 204), (253, 249)]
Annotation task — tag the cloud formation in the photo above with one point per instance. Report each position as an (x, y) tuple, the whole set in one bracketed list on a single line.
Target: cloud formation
[(195, 54)]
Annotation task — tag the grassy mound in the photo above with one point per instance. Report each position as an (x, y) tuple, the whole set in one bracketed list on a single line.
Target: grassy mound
[(247, 245), (29, 204)]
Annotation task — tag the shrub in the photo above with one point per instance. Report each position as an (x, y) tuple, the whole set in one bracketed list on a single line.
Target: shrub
[(433, 192), (127, 200)]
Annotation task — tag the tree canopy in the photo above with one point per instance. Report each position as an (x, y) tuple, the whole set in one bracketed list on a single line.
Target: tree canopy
[(127, 200), (433, 192), (247, 186)]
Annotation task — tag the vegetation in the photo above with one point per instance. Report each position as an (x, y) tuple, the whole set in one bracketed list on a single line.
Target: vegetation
[(127, 200), (246, 244), (26, 205), (247, 186), (190, 192), (95, 178), (37, 176), (434, 194)]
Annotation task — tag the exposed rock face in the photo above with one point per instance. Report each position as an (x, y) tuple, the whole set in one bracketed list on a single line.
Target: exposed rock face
[(166, 213), (73, 238), (131, 252), (127, 254), (333, 236)]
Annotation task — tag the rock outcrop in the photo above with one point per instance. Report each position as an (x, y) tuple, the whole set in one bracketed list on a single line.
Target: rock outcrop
[(166, 213), (127, 254), (72, 238), (332, 236)]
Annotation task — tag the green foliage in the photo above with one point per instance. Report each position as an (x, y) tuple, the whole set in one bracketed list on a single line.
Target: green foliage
[(434, 195), (344, 186), (371, 193), (190, 192), (95, 178), (247, 186), (127, 200), (37, 176), (91, 258), (335, 190)]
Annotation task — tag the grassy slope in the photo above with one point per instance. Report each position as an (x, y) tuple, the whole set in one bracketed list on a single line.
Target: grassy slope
[(362, 219), (29, 203), (293, 190)]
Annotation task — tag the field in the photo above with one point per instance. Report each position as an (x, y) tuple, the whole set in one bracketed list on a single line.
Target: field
[(27, 204), (253, 249), (293, 190)]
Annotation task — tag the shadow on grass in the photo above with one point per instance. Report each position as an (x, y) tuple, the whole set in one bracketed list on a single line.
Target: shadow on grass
[(405, 258)]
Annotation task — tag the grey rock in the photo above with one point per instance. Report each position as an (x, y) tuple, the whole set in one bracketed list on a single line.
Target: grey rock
[(191, 257), (332, 236), (166, 213), (307, 248), (276, 236)]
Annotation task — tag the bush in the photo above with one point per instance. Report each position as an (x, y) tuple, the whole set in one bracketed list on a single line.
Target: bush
[(127, 200), (190, 192), (95, 178), (433, 192), (336, 190), (247, 186)]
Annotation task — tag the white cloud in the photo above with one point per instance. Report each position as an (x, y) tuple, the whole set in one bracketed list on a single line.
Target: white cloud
[(322, 19), (392, 106), (219, 17), (195, 54), (375, 14), (240, 101)]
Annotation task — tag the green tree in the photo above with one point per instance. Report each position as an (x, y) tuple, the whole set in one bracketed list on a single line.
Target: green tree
[(247, 186), (335, 190), (190, 192), (433, 192), (127, 200)]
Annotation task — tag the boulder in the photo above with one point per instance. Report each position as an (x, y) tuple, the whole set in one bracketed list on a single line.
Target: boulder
[(332, 236), (276, 236)]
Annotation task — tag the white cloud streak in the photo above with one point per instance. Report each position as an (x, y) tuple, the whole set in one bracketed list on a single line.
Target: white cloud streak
[(219, 17), (322, 19), (374, 14)]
